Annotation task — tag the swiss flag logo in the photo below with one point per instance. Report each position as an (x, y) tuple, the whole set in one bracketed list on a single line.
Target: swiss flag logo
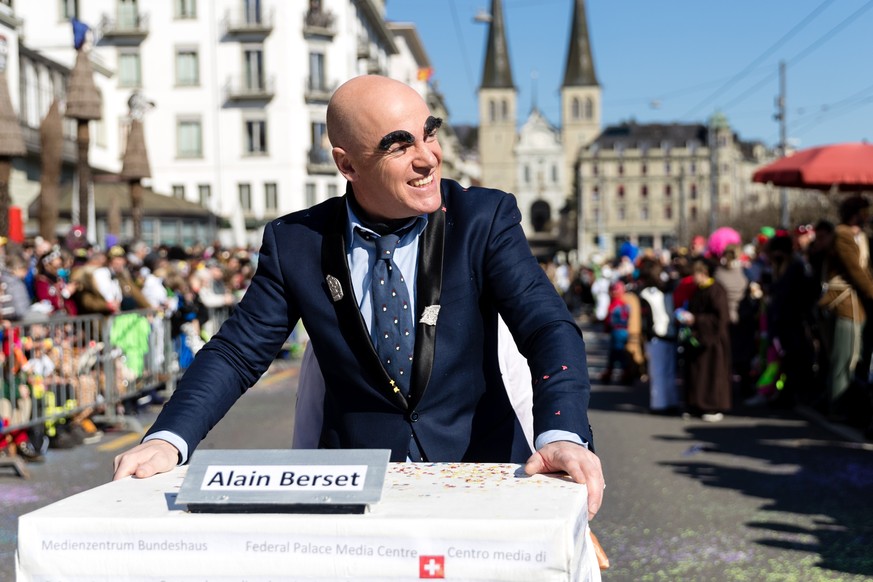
[(431, 566)]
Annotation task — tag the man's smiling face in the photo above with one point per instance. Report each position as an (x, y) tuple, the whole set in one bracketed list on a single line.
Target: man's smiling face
[(392, 156)]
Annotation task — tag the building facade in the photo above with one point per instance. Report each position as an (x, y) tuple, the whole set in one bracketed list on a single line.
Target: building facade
[(239, 91), (658, 185)]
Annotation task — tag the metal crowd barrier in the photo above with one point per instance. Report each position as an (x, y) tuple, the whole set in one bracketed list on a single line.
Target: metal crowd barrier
[(215, 319), (71, 369), (77, 367)]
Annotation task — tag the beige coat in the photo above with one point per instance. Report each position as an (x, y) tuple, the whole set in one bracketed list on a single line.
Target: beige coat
[(847, 275)]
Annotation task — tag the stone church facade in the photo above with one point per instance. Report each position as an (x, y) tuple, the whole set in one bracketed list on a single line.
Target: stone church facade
[(585, 189)]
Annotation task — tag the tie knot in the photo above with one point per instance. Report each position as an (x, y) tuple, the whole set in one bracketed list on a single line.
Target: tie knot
[(385, 245)]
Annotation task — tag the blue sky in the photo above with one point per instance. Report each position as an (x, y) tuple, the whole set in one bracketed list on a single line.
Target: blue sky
[(673, 60)]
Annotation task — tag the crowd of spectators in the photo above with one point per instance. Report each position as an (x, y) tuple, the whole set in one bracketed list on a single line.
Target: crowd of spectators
[(774, 322), (48, 365)]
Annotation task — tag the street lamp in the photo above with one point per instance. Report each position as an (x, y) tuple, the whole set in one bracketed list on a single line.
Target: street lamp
[(483, 17)]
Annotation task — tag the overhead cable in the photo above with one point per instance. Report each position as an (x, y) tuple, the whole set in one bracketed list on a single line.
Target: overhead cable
[(794, 30)]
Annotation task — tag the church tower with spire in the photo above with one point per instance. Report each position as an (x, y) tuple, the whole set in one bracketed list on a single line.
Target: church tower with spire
[(497, 109), (580, 94)]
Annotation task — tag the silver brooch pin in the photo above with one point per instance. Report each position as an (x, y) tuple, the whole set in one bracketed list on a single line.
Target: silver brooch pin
[(336, 290), (429, 317)]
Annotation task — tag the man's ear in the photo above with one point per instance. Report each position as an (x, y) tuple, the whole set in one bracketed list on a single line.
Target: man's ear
[(344, 164)]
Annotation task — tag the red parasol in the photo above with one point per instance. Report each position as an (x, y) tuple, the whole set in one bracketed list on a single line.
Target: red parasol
[(847, 167)]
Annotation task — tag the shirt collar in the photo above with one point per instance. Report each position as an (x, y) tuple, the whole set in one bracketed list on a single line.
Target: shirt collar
[(412, 228)]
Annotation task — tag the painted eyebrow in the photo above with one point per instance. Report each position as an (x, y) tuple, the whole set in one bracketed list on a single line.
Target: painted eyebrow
[(402, 136), (432, 124), (398, 136)]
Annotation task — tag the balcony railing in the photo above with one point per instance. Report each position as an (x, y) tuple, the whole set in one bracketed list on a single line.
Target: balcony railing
[(252, 23), (320, 161), (374, 67), (318, 91), (249, 89), (363, 48), (131, 26), (319, 23)]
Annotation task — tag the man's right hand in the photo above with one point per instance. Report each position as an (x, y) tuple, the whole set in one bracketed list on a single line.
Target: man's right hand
[(149, 458)]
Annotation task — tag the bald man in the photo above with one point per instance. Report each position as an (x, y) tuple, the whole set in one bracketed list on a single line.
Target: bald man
[(465, 258)]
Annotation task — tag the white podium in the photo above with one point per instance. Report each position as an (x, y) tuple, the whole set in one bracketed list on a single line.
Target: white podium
[(435, 521)]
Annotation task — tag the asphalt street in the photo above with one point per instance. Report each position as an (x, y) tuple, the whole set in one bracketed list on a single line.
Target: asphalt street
[(757, 496)]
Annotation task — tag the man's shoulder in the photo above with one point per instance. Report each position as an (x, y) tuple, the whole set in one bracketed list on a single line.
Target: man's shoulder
[(475, 198), (453, 188)]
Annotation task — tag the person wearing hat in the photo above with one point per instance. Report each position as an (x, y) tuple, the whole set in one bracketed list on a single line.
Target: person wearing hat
[(708, 355), (729, 273), (803, 235), (50, 287)]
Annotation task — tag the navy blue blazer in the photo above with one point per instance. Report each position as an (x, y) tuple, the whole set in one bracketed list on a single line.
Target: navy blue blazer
[(473, 261)]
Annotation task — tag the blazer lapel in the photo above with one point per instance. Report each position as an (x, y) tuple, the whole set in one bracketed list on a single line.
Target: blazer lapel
[(428, 286), (335, 265)]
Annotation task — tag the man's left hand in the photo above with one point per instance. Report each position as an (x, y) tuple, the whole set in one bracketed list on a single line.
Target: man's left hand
[(582, 465)]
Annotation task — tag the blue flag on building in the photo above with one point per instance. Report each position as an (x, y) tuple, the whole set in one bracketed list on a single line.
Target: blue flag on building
[(80, 29)]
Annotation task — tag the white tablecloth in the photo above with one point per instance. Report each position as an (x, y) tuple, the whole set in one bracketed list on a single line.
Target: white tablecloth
[(452, 521)]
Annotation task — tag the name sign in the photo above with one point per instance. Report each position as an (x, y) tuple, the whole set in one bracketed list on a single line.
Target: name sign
[(284, 481), (284, 478)]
